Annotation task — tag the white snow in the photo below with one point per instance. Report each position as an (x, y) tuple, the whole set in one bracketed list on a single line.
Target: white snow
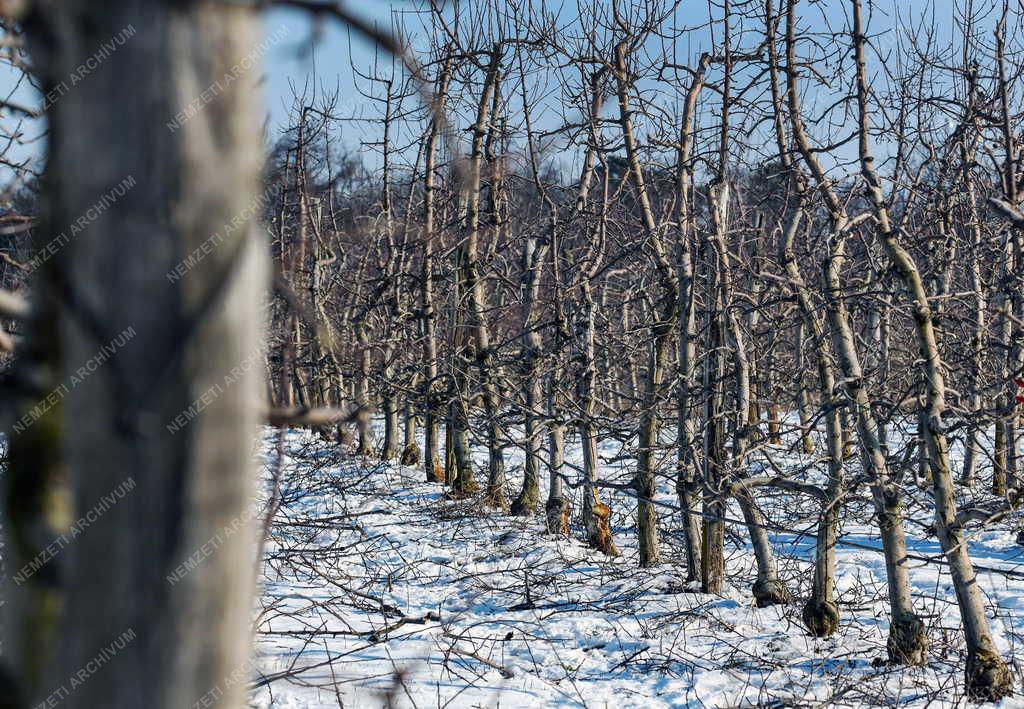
[(380, 591)]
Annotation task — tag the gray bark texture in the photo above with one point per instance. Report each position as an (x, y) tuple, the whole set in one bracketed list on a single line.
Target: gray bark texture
[(118, 585)]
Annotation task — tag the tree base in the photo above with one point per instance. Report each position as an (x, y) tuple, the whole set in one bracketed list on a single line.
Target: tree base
[(411, 455), (600, 537), (526, 504), (988, 679), (821, 618), (771, 592), (907, 644), (435, 474), (464, 485), (557, 511), (496, 498)]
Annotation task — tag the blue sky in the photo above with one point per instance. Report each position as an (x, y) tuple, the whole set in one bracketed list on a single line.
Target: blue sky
[(324, 49), (305, 45)]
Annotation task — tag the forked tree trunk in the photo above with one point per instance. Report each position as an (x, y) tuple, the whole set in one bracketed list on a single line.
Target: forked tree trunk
[(526, 502), (185, 479), (907, 643), (687, 479), (987, 676), (768, 588), (820, 613)]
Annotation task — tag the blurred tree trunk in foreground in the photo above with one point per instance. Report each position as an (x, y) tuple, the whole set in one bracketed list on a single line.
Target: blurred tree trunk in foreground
[(149, 602)]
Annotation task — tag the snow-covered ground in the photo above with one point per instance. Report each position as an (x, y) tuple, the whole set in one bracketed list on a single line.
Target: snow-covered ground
[(379, 591)]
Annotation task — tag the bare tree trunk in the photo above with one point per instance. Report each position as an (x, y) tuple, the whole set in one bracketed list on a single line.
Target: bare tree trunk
[(663, 327), (750, 321), (458, 456), (987, 676), (1012, 302), (712, 554), (475, 289), (390, 274), (460, 474), (973, 445), (768, 589), (163, 342), (907, 643), (472, 288), (687, 483), (596, 514), (364, 422), (533, 256), (390, 448), (410, 448), (558, 507), (431, 459), (803, 404), (820, 613)]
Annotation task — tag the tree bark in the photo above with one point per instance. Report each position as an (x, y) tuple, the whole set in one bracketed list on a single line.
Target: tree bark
[(662, 328), (907, 642), (988, 678), (190, 482), (431, 443)]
